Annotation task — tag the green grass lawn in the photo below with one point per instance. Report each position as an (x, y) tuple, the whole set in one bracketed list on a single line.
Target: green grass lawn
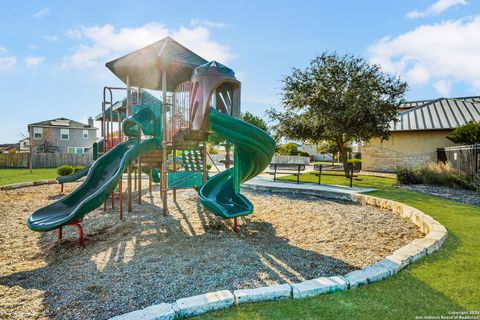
[(445, 281), (9, 176)]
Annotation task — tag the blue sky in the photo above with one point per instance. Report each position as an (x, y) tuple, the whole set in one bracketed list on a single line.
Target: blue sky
[(52, 53)]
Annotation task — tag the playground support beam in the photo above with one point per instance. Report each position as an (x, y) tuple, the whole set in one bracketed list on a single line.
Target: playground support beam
[(174, 151), (163, 181), (129, 188), (120, 196), (139, 180)]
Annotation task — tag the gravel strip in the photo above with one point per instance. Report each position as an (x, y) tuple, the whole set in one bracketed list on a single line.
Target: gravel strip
[(149, 259), (460, 195)]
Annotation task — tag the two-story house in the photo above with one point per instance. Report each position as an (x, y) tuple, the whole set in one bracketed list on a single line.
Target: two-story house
[(62, 135)]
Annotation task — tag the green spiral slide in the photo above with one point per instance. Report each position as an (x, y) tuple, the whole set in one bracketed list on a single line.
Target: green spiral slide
[(102, 177), (254, 149)]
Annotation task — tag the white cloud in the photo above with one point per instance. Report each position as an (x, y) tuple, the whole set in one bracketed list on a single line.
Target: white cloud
[(33, 61), (33, 47), (100, 44), (41, 13), (207, 23), (443, 87), (438, 7), (51, 38), (443, 53), (7, 62)]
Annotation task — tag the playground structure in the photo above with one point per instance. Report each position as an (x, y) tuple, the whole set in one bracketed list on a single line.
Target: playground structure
[(198, 98)]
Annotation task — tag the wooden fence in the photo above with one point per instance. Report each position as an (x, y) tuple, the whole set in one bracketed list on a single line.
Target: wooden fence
[(44, 160)]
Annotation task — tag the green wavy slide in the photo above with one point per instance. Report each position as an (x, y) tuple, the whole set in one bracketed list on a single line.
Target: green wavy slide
[(101, 180), (253, 151)]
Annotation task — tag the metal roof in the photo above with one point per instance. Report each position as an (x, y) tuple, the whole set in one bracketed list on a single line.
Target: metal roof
[(413, 104), (145, 66), (440, 114)]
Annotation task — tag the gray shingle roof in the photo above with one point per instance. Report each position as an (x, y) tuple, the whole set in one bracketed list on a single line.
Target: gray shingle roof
[(437, 115), (71, 124)]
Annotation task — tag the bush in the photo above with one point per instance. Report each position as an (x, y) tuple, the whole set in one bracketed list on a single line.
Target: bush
[(357, 163), (78, 168), (211, 149), (209, 166), (439, 174), (407, 176), (303, 154), (64, 170), (289, 149)]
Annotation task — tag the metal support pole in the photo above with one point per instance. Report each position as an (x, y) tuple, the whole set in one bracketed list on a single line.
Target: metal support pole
[(163, 181), (150, 179), (139, 181), (129, 188), (174, 151), (204, 162), (351, 176), (120, 196)]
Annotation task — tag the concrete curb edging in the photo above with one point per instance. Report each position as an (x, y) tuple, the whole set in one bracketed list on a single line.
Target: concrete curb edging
[(27, 184), (436, 235)]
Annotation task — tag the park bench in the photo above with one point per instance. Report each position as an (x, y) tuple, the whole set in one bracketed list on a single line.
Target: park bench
[(326, 167), (281, 168)]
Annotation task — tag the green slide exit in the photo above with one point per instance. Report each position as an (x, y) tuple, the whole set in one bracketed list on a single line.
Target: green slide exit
[(254, 149)]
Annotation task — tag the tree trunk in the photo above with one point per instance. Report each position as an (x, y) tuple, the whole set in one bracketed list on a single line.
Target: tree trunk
[(343, 155)]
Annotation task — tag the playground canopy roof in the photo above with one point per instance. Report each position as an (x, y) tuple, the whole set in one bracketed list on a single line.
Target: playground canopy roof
[(145, 67)]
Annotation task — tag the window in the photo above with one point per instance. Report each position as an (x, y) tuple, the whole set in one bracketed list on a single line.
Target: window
[(85, 134), (64, 134), (76, 150), (37, 133)]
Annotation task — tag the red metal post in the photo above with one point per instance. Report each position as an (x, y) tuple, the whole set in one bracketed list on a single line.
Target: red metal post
[(120, 195), (61, 189), (80, 231), (235, 225), (60, 233)]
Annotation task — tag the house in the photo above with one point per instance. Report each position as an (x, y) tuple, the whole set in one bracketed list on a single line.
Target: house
[(62, 135), (24, 145), (421, 128), (8, 147)]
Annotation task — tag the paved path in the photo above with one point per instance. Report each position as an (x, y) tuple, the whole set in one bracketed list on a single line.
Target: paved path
[(321, 190)]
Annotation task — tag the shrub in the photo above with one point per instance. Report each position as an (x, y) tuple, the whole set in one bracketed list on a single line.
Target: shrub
[(289, 149), (439, 174), (407, 176), (357, 163), (209, 166), (303, 154), (64, 170), (211, 149), (78, 168)]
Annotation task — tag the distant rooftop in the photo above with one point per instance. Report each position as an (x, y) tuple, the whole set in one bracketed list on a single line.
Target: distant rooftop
[(62, 123), (440, 114), (416, 103)]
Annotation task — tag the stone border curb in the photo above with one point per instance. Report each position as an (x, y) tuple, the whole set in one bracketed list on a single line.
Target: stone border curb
[(27, 184), (436, 235)]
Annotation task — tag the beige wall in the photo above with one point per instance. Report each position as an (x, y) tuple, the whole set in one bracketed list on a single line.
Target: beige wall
[(403, 149)]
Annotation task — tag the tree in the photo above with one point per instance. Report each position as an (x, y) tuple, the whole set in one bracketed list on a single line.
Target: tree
[(338, 99), (255, 120), (469, 133)]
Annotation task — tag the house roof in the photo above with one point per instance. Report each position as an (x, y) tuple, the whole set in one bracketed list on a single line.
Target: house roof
[(62, 123), (440, 114), (416, 103), (145, 67)]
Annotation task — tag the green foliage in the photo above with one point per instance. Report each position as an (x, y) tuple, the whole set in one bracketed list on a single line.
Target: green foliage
[(211, 149), (435, 174), (407, 176), (469, 133), (77, 168), (64, 170), (215, 139), (303, 154), (357, 163), (209, 166), (288, 149), (255, 120), (338, 99)]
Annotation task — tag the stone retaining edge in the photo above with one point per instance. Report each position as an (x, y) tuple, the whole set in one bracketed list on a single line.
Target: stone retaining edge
[(27, 184), (436, 235)]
